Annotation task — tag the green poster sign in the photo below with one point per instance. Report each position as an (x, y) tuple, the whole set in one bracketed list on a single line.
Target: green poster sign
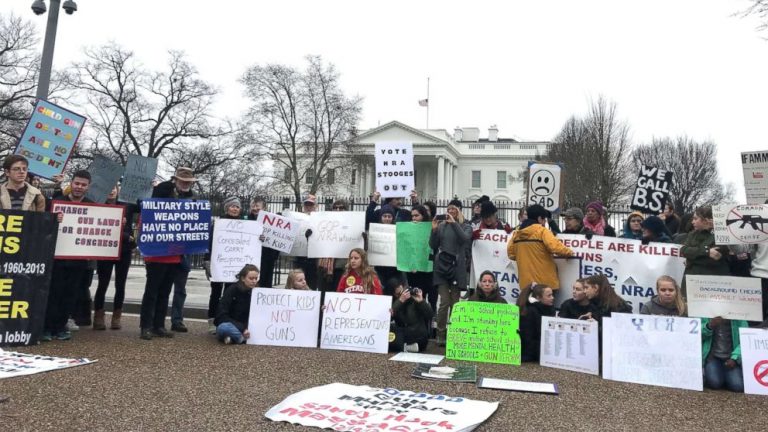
[(413, 246), (484, 332)]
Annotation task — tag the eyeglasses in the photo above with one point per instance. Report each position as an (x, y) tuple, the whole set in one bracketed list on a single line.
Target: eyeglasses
[(338, 207), (636, 221), (19, 169)]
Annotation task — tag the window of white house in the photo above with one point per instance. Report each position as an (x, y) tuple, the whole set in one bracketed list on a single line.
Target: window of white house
[(310, 177), (331, 176), (476, 179), (287, 175), (354, 176), (501, 179)]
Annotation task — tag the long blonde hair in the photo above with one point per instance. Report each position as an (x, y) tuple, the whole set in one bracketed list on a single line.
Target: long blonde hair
[(289, 283), (679, 300), (366, 272)]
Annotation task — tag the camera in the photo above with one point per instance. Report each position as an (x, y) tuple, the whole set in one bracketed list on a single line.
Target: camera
[(38, 7), (441, 217), (69, 7)]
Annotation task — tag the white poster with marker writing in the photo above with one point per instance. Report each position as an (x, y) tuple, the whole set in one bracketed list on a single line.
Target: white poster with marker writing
[(356, 322), (755, 168), (279, 232), (544, 185), (489, 252), (740, 224), (382, 245), (570, 344), (283, 317), (335, 233), (394, 169), (235, 244), (300, 243), (730, 297), (754, 360)]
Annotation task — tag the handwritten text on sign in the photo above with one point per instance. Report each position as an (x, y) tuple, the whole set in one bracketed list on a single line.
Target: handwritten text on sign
[(334, 234), (484, 332), (356, 322), (730, 297), (755, 168), (235, 244), (279, 232), (137, 179), (652, 190), (754, 360), (382, 245), (89, 231), (544, 184), (394, 169), (284, 317), (570, 344), (740, 224)]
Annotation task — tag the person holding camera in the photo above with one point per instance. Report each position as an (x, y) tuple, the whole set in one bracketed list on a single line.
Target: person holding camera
[(410, 317)]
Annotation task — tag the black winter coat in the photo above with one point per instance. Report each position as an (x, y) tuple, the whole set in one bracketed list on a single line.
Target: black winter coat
[(530, 329), (235, 306)]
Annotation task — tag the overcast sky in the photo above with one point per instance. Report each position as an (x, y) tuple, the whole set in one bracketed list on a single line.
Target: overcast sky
[(674, 67)]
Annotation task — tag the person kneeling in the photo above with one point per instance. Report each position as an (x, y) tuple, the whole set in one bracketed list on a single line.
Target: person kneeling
[(410, 316), (535, 301), (234, 307), (721, 352), (487, 289)]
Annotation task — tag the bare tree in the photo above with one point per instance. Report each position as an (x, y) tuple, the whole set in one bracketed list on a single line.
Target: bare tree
[(696, 180), (302, 122)]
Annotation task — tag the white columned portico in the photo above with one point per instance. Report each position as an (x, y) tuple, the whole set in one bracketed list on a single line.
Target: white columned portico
[(440, 176), (449, 180)]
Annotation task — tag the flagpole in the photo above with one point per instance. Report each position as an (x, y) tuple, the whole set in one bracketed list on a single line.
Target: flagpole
[(427, 102)]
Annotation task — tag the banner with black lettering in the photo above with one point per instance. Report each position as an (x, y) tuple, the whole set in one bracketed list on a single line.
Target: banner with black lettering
[(652, 191), (395, 176), (27, 242)]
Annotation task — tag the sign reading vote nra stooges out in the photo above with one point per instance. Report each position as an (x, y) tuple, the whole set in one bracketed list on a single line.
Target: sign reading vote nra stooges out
[(394, 169)]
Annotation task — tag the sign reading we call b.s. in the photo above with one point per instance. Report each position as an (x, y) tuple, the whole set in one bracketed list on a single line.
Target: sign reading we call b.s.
[(652, 191)]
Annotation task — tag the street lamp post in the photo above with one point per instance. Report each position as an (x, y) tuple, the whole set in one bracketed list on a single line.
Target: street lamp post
[(38, 7)]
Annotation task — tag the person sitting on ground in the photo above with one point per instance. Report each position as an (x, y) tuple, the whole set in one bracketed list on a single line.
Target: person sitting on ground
[(296, 280), (578, 307), (410, 316), (487, 290), (235, 307), (594, 220), (667, 301), (655, 231), (633, 228), (535, 301), (359, 277), (721, 353), (604, 299)]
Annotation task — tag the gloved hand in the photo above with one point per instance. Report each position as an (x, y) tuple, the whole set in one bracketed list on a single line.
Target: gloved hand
[(508, 228), (207, 268), (475, 234)]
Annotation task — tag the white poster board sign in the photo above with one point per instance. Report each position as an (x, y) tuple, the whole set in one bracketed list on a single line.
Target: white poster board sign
[(300, 244), (284, 317), (730, 297), (13, 364), (489, 252), (740, 224), (755, 167), (335, 233), (754, 360), (570, 344), (279, 232), (89, 231), (655, 350), (356, 322), (544, 185), (394, 169), (382, 245), (235, 244)]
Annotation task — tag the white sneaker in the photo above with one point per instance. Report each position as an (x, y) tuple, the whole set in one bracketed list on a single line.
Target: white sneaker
[(227, 340), (71, 326), (211, 326), (412, 348)]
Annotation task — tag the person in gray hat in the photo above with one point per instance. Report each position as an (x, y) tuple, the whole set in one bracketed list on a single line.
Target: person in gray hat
[(574, 222)]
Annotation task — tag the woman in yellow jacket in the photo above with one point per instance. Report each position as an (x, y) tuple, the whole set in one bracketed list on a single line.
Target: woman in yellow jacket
[(532, 246)]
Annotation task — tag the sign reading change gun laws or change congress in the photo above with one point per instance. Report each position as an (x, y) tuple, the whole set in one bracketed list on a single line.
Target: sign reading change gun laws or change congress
[(544, 185), (356, 322), (570, 344), (740, 224), (394, 169), (174, 227), (730, 297), (235, 244), (89, 231), (652, 191), (284, 317), (755, 167), (484, 332)]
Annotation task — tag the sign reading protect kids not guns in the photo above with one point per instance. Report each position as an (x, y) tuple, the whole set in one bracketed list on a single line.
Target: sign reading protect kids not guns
[(26, 258), (49, 138)]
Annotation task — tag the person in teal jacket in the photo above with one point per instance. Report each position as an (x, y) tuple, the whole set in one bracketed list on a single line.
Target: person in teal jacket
[(721, 353)]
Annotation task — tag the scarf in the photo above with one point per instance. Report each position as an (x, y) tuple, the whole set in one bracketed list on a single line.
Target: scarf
[(598, 228)]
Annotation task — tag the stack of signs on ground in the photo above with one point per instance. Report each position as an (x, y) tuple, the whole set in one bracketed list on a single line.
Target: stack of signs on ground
[(235, 244), (356, 322), (544, 185), (484, 332), (489, 252), (653, 349), (344, 407), (13, 364), (460, 373), (89, 231), (137, 180), (413, 246), (382, 245), (570, 344), (755, 166), (27, 242), (105, 174), (519, 386), (740, 224), (394, 169), (652, 191), (174, 227), (334, 234), (280, 232), (284, 317), (730, 297), (754, 360)]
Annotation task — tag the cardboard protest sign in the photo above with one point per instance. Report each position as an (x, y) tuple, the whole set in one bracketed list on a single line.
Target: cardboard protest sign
[(730, 297), (544, 185), (357, 408), (235, 244), (740, 224), (89, 231), (489, 252), (570, 344), (484, 332), (279, 232), (754, 360), (13, 364), (137, 179), (655, 350), (27, 242), (413, 246), (755, 168), (49, 138), (356, 322), (652, 191), (174, 227), (335, 233), (105, 173), (382, 245), (284, 317), (394, 169), (630, 266), (300, 243)]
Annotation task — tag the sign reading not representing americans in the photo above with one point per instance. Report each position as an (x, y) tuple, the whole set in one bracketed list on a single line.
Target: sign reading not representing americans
[(89, 231)]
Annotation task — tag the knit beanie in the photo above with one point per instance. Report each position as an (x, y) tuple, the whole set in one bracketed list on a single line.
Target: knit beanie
[(232, 201), (597, 206)]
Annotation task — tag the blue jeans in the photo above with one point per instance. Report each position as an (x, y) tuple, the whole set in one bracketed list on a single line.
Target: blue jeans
[(228, 329), (716, 375)]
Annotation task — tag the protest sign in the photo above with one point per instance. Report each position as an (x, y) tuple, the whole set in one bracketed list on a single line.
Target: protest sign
[(300, 243), (335, 233), (137, 179), (105, 173), (279, 232), (394, 169), (655, 350), (519, 386), (484, 332), (755, 168), (461, 373), (489, 252), (344, 407), (382, 245), (89, 231), (409, 357), (630, 266), (235, 244), (27, 242), (174, 227), (13, 364), (730, 297), (570, 344), (544, 185), (49, 138), (754, 360), (740, 224), (356, 322), (284, 317), (652, 190), (413, 246)]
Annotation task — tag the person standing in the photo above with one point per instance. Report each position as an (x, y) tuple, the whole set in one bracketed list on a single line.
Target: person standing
[(671, 219), (16, 193), (702, 256), (594, 220), (268, 255)]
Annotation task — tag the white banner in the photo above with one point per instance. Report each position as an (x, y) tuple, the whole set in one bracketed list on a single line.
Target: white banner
[(630, 266), (382, 245), (654, 350), (89, 231), (300, 244), (740, 224), (13, 364), (755, 167), (394, 169), (356, 322), (344, 407), (544, 185), (335, 233), (284, 317), (754, 360), (279, 232), (730, 297), (570, 344), (489, 252), (235, 244)]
